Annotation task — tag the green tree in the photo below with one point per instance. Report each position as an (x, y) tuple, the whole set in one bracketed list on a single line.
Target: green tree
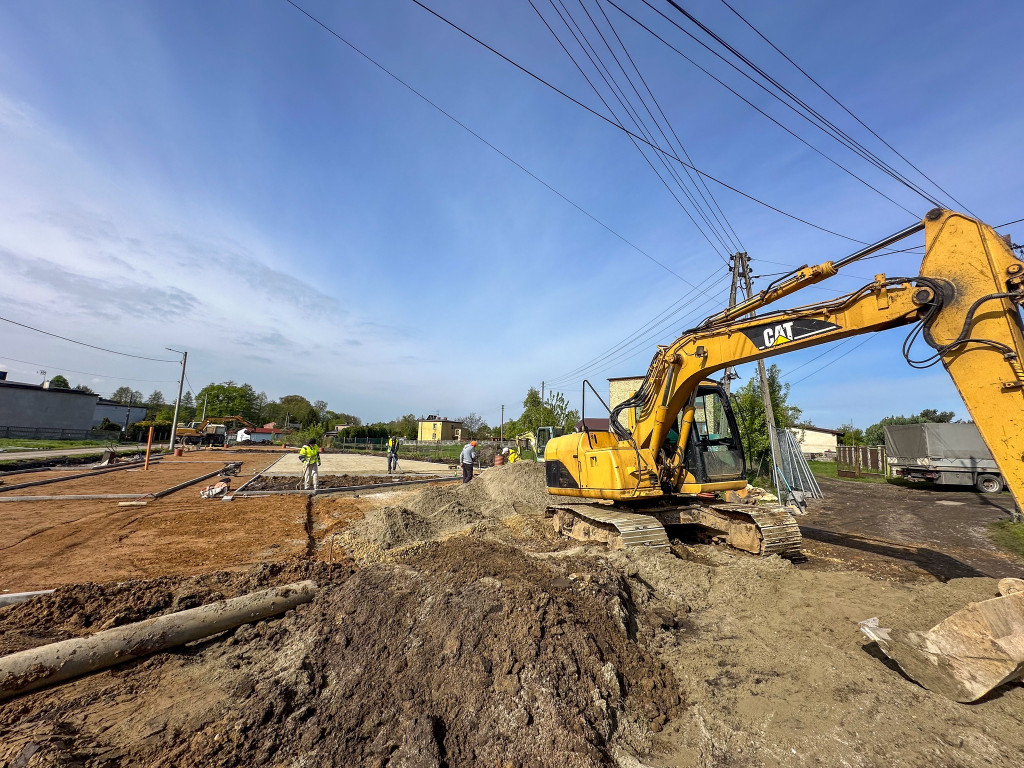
[(473, 426), (749, 404), (156, 398), (875, 434), (127, 395), (229, 399), (83, 388), (851, 435), (59, 382), (553, 412)]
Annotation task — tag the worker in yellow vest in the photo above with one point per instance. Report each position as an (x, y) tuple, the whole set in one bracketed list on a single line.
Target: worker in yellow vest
[(392, 447), (309, 455)]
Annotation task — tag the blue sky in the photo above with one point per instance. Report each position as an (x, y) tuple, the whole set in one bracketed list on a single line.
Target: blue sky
[(228, 178)]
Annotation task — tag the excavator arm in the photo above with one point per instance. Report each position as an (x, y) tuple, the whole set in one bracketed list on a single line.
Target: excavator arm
[(965, 300)]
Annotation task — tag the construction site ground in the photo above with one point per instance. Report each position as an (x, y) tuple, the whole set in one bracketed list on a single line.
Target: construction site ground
[(453, 628), (352, 463)]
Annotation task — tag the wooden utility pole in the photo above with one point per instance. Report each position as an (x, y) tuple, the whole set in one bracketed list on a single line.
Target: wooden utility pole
[(730, 372), (742, 264)]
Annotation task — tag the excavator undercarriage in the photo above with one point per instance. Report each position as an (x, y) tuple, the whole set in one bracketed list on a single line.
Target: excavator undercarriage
[(762, 531)]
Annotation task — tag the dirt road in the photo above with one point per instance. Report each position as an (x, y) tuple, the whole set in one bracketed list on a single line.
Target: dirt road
[(906, 531)]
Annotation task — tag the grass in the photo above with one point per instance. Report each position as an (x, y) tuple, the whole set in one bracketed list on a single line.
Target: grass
[(830, 469), (1009, 536), (40, 445)]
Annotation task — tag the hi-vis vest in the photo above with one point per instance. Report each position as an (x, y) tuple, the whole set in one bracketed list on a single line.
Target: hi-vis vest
[(310, 454), (392, 445)]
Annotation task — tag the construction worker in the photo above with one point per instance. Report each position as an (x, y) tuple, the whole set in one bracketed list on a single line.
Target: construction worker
[(392, 454), (467, 458), (513, 456), (309, 455)]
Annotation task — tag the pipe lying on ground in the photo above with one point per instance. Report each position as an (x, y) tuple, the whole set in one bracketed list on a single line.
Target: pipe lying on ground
[(229, 468), (105, 470), (28, 670), (11, 598)]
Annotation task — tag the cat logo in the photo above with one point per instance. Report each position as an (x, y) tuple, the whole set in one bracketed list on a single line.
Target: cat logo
[(778, 334)]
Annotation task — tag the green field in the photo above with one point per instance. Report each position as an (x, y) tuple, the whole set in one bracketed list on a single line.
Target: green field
[(828, 469), (12, 444)]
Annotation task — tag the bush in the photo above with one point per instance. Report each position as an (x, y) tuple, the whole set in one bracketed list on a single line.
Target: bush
[(108, 426)]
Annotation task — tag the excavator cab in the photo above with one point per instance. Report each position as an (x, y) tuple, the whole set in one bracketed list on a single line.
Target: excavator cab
[(714, 452)]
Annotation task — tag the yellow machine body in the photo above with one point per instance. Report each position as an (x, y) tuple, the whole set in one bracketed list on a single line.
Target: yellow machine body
[(967, 296)]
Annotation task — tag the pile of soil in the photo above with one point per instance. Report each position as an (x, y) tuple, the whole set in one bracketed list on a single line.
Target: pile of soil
[(467, 653), (515, 490), (285, 483)]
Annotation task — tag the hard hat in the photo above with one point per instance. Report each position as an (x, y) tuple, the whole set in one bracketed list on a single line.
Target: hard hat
[(472, 442)]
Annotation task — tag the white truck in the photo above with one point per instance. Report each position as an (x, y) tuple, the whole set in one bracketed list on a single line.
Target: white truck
[(945, 454)]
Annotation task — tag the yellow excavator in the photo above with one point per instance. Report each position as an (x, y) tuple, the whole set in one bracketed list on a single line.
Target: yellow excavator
[(624, 485)]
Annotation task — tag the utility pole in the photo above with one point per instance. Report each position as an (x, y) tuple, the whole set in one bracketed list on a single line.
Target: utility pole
[(128, 413), (730, 372), (501, 429), (177, 402), (542, 393), (206, 398), (742, 262)]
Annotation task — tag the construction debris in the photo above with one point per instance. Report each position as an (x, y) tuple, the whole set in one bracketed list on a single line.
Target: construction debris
[(974, 651)]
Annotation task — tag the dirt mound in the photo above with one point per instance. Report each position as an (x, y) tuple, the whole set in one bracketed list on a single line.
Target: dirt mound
[(469, 653), (438, 511)]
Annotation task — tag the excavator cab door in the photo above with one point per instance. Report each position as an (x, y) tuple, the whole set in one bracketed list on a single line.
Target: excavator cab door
[(714, 452)]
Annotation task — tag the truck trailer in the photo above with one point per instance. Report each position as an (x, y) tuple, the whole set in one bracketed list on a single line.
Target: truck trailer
[(945, 454)]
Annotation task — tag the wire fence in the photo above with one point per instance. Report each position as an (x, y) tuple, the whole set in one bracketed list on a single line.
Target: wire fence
[(52, 433)]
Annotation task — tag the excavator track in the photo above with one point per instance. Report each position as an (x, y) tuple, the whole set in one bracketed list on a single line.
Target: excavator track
[(762, 531)]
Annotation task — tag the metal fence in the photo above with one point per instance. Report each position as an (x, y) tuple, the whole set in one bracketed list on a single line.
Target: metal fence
[(46, 433), (860, 460)]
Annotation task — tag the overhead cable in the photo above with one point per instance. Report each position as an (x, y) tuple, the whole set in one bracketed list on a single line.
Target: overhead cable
[(83, 344), (611, 122), (62, 370), (484, 141), (824, 124), (843, 106)]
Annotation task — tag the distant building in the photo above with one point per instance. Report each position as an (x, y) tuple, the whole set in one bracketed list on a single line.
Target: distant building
[(266, 434), (437, 428), (618, 390), (115, 412), (817, 441), (31, 406)]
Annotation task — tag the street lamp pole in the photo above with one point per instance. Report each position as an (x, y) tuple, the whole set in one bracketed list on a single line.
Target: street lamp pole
[(177, 402)]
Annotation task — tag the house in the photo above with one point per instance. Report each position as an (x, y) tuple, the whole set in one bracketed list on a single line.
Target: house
[(116, 412), (268, 433), (437, 428), (817, 442), (592, 425), (34, 407), (618, 390)]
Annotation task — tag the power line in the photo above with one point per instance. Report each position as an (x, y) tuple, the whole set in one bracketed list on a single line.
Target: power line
[(826, 365), (635, 118), (843, 106), (745, 100), (611, 122), (824, 124), (62, 370), (82, 343), (484, 141)]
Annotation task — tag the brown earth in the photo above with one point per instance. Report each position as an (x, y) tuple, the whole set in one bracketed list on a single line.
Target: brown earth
[(465, 633), (908, 532), (286, 483)]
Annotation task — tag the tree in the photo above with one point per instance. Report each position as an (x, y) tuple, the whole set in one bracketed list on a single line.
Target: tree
[(553, 412), (875, 434), (127, 395), (83, 388), (851, 435), (157, 398), (320, 406), (404, 426), (473, 426), (59, 382), (749, 404), (229, 399)]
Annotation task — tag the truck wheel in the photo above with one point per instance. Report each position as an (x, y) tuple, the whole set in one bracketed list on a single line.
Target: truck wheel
[(989, 483)]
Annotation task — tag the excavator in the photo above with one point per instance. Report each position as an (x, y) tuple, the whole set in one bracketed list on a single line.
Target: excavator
[(625, 485)]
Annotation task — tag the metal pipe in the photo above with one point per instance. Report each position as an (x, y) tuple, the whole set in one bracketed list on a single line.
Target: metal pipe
[(19, 597), (71, 497), (868, 250)]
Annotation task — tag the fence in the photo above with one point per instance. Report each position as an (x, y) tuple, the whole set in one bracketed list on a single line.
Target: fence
[(860, 460), (47, 433)]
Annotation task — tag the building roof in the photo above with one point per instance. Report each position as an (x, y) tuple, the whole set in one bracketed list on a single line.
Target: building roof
[(266, 431), (810, 428), (593, 424), (626, 378), (40, 388), (439, 420)]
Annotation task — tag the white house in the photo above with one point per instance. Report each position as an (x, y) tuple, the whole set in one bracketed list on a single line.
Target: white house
[(817, 442)]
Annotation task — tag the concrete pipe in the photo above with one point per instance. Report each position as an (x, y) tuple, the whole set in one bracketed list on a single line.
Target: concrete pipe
[(25, 671)]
